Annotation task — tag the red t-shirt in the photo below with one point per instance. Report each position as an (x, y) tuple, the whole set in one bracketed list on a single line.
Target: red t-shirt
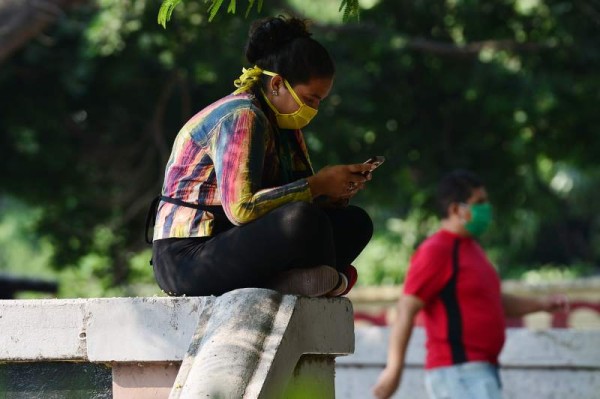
[(463, 314)]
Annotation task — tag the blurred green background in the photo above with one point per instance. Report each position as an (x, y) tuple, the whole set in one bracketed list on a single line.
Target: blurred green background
[(90, 105)]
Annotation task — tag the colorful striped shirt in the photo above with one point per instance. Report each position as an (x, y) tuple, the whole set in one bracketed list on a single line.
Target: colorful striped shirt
[(231, 155)]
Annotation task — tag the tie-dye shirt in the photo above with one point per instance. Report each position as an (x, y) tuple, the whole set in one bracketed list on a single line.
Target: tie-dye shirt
[(230, 155)]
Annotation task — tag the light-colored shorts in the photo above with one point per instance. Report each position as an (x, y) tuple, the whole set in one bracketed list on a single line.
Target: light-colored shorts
[(472, 380)]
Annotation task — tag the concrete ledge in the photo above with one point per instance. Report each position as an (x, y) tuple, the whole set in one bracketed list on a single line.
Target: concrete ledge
[(99, 330), (145, 339)]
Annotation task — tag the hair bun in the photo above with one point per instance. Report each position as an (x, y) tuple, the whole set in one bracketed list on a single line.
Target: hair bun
[(269, 35)]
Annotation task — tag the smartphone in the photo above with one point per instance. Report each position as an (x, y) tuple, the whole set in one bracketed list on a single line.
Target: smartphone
[(375, 161)]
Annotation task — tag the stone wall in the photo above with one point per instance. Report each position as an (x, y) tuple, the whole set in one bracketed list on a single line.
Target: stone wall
[(542, 364), (133, 348), (377, 305)]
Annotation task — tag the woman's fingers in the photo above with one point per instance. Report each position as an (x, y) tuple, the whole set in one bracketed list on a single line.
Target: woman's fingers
[(354, 179), (353, 188), (361, 168), (344, 181)]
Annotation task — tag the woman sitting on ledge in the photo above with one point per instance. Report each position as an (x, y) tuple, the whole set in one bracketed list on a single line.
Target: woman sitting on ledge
[(240, 204)]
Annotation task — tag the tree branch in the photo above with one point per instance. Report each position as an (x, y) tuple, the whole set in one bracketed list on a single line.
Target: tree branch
[(440, 48), (22, 20), (589, 11), (471, 49)]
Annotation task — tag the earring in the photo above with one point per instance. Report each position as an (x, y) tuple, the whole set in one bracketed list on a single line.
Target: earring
[(275, 92)]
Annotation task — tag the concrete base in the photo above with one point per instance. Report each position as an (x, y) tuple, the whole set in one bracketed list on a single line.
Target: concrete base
[(313, 377), (143, 380), (252, 344), (55, 380)]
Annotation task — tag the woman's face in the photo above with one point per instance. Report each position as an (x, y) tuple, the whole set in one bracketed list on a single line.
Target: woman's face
[(310, 93)]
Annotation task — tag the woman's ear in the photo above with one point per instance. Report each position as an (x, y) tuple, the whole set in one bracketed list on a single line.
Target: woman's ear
[(275, 84)]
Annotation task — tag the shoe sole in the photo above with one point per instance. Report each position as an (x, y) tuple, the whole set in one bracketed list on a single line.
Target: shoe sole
[(352, 275), (313, 282)]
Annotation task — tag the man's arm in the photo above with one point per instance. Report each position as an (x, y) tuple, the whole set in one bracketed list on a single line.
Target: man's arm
[(389, 379), (517, 306)]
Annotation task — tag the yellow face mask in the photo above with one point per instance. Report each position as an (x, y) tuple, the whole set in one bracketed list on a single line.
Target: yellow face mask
[(295, 120)]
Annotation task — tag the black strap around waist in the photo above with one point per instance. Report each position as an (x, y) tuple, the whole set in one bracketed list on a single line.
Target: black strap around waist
[(151, 216)]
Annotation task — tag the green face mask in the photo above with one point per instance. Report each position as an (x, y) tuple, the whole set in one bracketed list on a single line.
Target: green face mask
[(481, 217)]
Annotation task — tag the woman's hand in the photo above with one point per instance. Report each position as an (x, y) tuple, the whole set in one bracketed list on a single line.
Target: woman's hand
[(340, 181)]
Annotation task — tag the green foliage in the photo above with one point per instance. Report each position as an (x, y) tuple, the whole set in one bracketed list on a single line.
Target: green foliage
[(166, 10), (22, 252), (231, 9), (509, 89), (350, 9), (386, 258), (416, 93), (100, 127), (26, 255), (549, 273), (251, 4), (216, 5)]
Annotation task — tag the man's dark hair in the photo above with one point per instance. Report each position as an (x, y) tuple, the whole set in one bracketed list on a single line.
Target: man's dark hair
[(457, 186)]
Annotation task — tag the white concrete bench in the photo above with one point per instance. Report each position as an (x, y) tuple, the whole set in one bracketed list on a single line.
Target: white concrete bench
[(249, 343), (544, 364)]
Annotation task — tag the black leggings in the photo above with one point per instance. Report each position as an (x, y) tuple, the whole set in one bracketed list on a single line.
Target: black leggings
[(298, 234)]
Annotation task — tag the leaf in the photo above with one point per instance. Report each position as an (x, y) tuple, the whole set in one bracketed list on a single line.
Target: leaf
[(166, 10), (351, 9), (250, 4), (214, 9), (231, 8), (259, 5)]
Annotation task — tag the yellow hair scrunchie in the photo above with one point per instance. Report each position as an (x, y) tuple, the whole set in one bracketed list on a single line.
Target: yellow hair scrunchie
[(247, 79)]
